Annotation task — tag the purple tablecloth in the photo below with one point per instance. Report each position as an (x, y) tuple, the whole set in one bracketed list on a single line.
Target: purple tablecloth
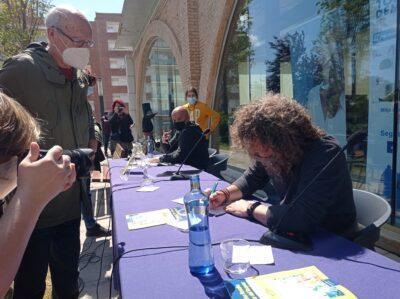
[(165, 273)]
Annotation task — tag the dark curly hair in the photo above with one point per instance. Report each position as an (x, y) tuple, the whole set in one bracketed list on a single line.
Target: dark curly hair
[(278, 122)]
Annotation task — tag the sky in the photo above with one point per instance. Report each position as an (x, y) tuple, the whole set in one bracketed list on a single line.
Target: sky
[(90, 7)]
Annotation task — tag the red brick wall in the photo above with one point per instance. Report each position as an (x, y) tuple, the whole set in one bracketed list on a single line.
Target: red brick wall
[(195, 32), (100, 60)]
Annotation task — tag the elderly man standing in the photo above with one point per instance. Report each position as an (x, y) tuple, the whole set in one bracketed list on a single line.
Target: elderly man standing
[(46, 81)]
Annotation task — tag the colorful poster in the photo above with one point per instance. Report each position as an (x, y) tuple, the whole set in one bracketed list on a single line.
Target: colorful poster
[(381, 92), (306, 282)]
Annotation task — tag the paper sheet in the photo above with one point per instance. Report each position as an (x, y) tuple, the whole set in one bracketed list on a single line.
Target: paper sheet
[(257, 255), (148, 219), (147, 189), (261, 255), (240, 254), (178, 200)]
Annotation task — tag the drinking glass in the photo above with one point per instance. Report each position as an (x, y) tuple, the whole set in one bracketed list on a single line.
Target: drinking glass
[(227, 248), (144, 164)]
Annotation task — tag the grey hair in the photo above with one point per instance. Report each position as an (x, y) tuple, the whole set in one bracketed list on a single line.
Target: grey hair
[(56, 14)]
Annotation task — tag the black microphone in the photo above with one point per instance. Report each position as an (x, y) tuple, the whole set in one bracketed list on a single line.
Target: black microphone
[(179, 176), (302, 242)]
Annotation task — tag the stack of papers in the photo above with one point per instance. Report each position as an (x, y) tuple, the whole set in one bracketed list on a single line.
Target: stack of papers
[(256, 254), (171, 217)]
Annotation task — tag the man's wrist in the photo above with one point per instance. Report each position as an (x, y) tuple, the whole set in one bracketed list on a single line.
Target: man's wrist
[(251, 208), (227, 195)]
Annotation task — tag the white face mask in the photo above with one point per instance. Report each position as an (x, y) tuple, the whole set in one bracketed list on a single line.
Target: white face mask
[(8, 176), (191, 100), (76, 57)]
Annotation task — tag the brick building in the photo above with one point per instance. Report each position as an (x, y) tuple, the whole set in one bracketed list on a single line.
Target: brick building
[(193, 32), (108, 63)]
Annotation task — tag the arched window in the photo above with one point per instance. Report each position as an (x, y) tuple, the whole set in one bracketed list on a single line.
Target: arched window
[(162, 85)]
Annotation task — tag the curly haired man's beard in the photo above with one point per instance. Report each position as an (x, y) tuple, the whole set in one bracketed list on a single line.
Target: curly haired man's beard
[(277, 168)]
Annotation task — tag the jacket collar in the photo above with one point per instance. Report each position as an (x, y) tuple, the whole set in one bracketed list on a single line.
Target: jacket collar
[(46, 63)]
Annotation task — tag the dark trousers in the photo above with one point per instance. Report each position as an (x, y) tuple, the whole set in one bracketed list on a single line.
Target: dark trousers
[(54, 247), (87, 206), (106, 139)]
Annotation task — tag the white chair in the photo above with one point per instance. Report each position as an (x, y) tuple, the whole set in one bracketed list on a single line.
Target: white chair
[(372, 212)]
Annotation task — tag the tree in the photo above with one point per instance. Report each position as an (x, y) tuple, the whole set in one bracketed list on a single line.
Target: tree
[(351, 19), (19, 23), (282, 54)]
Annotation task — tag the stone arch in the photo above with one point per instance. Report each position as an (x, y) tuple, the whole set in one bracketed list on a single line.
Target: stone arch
[(218, 51), (156, 29)]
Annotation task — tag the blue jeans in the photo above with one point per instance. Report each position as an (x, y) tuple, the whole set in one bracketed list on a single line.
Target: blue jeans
[(87, 206)]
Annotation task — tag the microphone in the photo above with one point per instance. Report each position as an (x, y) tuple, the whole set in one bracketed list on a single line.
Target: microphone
[(302, 242), (179, 176)]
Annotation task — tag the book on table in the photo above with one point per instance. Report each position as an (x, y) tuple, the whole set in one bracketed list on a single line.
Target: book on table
[(307, 282)]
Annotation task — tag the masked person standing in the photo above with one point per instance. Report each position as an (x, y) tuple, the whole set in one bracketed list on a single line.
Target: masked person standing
[(200, 113), (48, 82)]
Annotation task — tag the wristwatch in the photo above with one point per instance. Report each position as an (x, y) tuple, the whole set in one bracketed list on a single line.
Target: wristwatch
[(251, 208)]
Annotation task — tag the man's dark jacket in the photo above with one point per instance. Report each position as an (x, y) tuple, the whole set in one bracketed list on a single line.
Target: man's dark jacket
[(187, 139), (328, 203)]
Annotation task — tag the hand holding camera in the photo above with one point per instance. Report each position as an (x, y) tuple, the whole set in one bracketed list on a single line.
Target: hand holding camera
[(40, 180)]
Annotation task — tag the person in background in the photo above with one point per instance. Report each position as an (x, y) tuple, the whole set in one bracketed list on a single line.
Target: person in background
[(188, 136), (147, 124), (200, 113), (120, 124), (287, 149), (105, 124), (26, 187), (49, 82)]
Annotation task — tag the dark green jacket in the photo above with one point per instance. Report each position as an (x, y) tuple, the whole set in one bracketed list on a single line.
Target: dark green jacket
[(33, 79)]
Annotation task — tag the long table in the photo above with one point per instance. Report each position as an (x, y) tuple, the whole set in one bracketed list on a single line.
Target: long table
[(164, 273)]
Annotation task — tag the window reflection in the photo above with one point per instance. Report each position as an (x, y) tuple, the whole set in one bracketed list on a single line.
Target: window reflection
[(163, 86), (337, 58)]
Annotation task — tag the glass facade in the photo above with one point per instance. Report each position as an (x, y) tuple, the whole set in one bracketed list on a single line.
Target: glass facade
[(163, 86), (337, 58)]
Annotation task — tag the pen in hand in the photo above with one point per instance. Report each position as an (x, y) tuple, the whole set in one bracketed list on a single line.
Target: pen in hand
[(214, 188)]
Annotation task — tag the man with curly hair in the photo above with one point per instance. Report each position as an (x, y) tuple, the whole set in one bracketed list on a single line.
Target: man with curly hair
[(289, 151)]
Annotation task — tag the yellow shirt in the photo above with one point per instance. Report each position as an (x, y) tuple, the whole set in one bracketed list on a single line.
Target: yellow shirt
[(201, 114)]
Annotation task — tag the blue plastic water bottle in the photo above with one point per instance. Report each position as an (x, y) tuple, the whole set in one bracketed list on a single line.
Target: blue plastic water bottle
[(150, 146), (201, 260)]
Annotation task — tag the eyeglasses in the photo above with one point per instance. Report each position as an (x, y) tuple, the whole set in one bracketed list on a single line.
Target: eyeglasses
[(80, 43)]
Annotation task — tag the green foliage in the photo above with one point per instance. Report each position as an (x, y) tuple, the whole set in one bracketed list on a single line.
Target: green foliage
[(19, 23)]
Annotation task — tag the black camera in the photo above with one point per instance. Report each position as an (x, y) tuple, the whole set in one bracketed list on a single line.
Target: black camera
[(81, 157), (120, 109)]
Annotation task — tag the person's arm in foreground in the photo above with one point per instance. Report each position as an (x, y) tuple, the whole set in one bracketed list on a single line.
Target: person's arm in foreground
[(38, 182)]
